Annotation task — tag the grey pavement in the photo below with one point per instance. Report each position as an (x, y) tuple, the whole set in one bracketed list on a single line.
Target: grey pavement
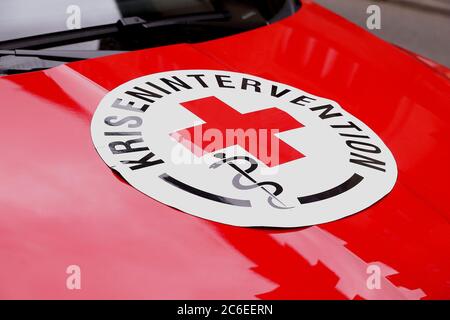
[(421, 26)]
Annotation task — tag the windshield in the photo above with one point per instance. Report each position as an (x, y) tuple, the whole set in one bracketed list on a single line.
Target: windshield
[(24, 18), (41, 34)]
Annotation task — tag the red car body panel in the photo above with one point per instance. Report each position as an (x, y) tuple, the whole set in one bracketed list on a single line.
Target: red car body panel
[(61, 205)]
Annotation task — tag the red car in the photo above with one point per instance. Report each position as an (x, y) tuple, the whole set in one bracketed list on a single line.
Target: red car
[(230, 150)]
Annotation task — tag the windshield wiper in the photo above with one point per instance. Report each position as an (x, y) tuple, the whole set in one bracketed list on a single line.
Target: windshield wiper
[(124, 25), (59, 55)]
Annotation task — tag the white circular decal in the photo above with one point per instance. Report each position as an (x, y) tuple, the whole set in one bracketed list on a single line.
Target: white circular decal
[(241, 150)]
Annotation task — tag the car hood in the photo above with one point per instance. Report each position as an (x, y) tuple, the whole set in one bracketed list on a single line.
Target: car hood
[(61, 205)]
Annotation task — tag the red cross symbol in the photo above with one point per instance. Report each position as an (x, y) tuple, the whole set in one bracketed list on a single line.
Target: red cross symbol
[(222, 118)]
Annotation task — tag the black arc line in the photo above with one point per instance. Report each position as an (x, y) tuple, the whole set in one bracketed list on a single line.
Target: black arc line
[(210, 196), (351, 182)]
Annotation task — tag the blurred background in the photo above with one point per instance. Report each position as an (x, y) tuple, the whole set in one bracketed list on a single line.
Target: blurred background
[(421, 26)]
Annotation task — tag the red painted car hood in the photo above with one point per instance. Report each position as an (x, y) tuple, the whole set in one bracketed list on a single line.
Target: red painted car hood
[(61, 205)]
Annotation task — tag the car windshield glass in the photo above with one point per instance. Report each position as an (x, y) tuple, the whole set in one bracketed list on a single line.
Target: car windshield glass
[(24, 18), (41, 34)]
